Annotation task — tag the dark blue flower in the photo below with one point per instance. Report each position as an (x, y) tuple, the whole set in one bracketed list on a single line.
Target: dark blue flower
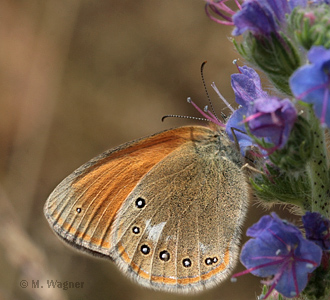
[(268, 117), (317, 229), (279, 250), (311, 83)]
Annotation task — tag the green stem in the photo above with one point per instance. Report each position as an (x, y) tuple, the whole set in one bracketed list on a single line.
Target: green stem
[(318, 169)]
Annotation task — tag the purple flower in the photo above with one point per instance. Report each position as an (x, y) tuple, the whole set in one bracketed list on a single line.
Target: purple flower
[(263, 17), (247, 87), (257, 17), (272, 118), (311, 82), (222, 12), (268, 117), (278, 250), (235, 122), (317, 229)]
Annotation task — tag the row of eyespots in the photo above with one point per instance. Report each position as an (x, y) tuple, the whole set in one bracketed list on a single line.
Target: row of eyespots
[(165, 256)]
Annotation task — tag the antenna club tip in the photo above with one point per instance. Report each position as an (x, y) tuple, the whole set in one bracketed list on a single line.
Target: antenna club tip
[(203, 64), (189, 100)]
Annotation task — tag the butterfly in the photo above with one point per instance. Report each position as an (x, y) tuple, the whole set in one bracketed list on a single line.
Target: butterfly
[(166, 208)]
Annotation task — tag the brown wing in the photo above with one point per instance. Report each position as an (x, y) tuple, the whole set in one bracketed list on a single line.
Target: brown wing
[(82, 208), (179, 229)]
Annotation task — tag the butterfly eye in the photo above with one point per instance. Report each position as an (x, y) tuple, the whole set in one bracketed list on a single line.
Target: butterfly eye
[(136, 230), (164, 255), (186, 262), (145, 249), (140, 202), (78, 210)]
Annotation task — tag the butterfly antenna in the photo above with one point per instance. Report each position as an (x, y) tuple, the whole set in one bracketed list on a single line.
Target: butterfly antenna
[(184, 117), (224, 116), (206, 91)]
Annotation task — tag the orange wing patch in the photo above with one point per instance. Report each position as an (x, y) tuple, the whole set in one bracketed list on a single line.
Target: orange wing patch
[(83, 207)]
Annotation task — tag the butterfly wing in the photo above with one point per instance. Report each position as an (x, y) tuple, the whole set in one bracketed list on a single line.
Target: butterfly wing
[(161, 207), (179, 229), (82, 207)]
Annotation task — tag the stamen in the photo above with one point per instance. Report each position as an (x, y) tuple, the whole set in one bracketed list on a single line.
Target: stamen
[(222, 97), (275, 235), (222, 10), (206, 109), (295, 280), (270, 291), (274, 282), (238, 5), (247, 271), (235, 62), (252, 117), (314, 88)]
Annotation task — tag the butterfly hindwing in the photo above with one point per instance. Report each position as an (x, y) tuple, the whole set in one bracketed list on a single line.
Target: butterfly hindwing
[(161, 207), (171, 225)]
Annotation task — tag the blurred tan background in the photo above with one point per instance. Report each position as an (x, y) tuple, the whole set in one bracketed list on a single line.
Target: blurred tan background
[(78, 77)]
